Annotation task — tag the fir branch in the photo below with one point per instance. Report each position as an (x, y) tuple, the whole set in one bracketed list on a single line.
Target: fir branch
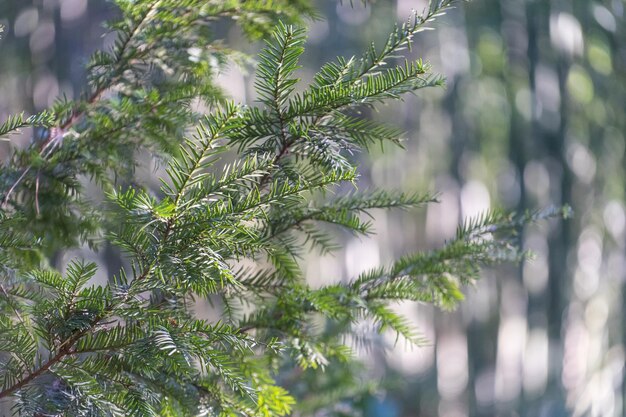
[(46, 146), (14, 123), (243, 201)]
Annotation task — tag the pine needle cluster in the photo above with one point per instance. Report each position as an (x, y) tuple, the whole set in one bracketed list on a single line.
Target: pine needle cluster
[(247, 193)]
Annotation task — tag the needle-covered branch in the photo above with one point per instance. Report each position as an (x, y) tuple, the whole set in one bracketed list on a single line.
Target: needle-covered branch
[(247, 194)]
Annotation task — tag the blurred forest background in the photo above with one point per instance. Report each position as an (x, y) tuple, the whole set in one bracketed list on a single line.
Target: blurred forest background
[(533, 115)]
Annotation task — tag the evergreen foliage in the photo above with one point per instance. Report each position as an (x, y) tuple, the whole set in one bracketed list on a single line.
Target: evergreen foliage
[(227, 229)]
